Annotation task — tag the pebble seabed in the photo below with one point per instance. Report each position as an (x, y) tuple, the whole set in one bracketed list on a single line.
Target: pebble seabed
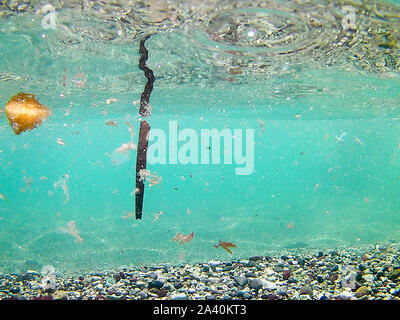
[(346, 274)]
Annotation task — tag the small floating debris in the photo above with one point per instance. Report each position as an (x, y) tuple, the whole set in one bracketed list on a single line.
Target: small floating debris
[(261, 125), (135, 191), (157, 216), (60, 142), (151, 178), (122, 154), (24, 112), (125, 147), (358, 141), (128, 215), (2, 197), (225, 245), (183, 238), (109, 101), (72, 230), (111, 123), (28, 182), (80, 80), (63, 183)]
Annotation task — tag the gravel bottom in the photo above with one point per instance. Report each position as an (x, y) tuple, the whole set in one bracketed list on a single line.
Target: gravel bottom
[(372, 273)]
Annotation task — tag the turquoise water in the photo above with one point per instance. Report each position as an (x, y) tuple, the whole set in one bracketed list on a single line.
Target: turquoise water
[(326, 147)]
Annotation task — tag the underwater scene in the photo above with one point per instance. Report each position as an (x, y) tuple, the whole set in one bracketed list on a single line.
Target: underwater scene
[(183, 150)]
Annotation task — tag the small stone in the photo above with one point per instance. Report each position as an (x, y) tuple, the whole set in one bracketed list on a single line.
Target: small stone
[(346, 295), (396, 293), (269, 285), (250, 275), (240, 293), (368, 277), (269, 271), (178, 285), (95, 278), (306, 290), (256, 284), (140, 284), (200, 286), (48, 270), (241, 281), (255, 258), (247, 295), (143, 295), (380, 247), (278, 269), (362, 291), (213, 280), (162, 293), (179, 296), (362, 267), (214, 263), (320, 279), (156, 284), (282, 290), (99, 287), (365, 257), (286, 274), (15, 290), (394, 275)]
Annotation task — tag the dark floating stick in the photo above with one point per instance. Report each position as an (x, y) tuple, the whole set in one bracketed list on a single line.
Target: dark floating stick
[(144, 111), (141, 165)]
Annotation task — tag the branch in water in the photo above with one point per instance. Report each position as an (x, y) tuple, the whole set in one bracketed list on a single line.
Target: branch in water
[(144, 111)]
